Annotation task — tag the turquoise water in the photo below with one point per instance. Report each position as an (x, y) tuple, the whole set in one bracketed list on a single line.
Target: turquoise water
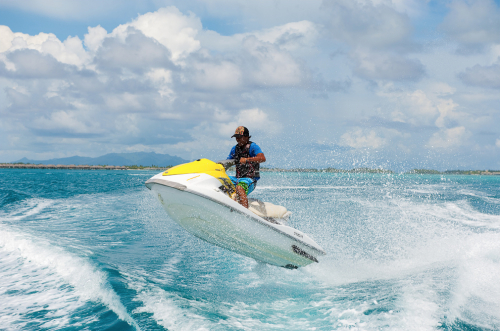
[(93, 250)]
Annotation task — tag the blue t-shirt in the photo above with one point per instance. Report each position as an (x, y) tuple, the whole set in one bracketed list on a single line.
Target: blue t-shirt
[(254, 150)]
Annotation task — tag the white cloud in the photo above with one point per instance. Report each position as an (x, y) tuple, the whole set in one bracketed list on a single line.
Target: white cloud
[(378, 35), (128, 124), (291, 36), (441, 89), (359, 138), (270, 66), (448, 138), (369, 24), (497, 143), (413, 8), (162, 78), (124, 102), (259, 58), (482, 76), (94, 38), (31, 64), (65, 121), (164, 82), (473, 23), (258, 120), (421, 109), (212, 136), (70, 51), (495, 52), (55, 88), (9, 65), (255, 119), (434, 106), (170, 28), (413, 107), (128, 79), (384, 66), (446, 108), (131, 54), (6, 37), (217, 76)]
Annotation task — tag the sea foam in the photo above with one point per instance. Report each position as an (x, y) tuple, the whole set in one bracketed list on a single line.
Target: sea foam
[(48, 263)]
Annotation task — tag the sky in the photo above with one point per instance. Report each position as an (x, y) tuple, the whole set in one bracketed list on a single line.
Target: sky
[(398, 84)]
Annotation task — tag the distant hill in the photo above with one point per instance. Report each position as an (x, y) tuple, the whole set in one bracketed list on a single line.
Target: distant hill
[(115, 159)]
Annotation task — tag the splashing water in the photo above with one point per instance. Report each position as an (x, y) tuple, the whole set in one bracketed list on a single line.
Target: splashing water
[(94, 250)]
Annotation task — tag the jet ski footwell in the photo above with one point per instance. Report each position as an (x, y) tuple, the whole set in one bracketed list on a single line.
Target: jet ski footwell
[(197, 203)]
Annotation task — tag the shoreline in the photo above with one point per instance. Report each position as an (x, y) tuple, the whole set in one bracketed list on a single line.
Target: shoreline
[(326, 170), (76, 167), (388, 172)]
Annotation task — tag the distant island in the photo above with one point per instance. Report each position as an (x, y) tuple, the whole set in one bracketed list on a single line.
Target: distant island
[(154, 161), (78, 167), (129, 160), (385, 171), (331, 170), (454, 172)]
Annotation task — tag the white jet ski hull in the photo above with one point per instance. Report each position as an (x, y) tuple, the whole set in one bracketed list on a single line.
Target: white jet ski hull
[(211, 215)]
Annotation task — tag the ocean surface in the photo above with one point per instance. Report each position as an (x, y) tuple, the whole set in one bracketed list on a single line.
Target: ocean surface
[(94, 250)]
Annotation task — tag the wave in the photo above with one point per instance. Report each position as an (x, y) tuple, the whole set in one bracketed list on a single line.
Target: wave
[(442, 259), (29, 208), (8, 197), (176, 310), (39, 261), (169, 309)]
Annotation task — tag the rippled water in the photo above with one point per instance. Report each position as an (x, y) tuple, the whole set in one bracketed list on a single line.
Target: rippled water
[(93, 250)]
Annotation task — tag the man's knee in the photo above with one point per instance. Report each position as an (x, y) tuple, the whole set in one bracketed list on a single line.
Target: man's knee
[(240, 190)]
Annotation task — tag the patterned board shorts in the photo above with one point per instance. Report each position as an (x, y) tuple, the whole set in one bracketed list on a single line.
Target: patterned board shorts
[(248, 184)]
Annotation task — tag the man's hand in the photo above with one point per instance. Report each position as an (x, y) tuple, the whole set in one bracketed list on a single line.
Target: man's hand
[(259, 158)]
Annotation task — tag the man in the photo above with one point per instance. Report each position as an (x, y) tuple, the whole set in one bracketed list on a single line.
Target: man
[(247, 156)]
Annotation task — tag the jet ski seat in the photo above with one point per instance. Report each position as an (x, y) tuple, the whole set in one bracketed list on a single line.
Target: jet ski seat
[(268, 210)]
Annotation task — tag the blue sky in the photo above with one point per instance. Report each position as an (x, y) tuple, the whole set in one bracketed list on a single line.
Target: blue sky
[(379, 83)]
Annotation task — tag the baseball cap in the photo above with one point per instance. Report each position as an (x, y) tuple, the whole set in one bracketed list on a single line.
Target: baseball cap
[(241, 131)]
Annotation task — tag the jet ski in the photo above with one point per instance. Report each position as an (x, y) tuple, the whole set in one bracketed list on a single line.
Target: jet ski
[(200, 197)]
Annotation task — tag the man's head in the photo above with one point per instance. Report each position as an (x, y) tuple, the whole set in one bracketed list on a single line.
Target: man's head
[(242, 135)]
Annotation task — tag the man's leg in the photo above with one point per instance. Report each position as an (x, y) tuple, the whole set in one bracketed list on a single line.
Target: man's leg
[(244, 186), (241, 196)]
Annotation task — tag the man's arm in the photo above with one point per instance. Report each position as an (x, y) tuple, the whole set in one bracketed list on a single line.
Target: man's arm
[(231, 153), (259, 158)]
